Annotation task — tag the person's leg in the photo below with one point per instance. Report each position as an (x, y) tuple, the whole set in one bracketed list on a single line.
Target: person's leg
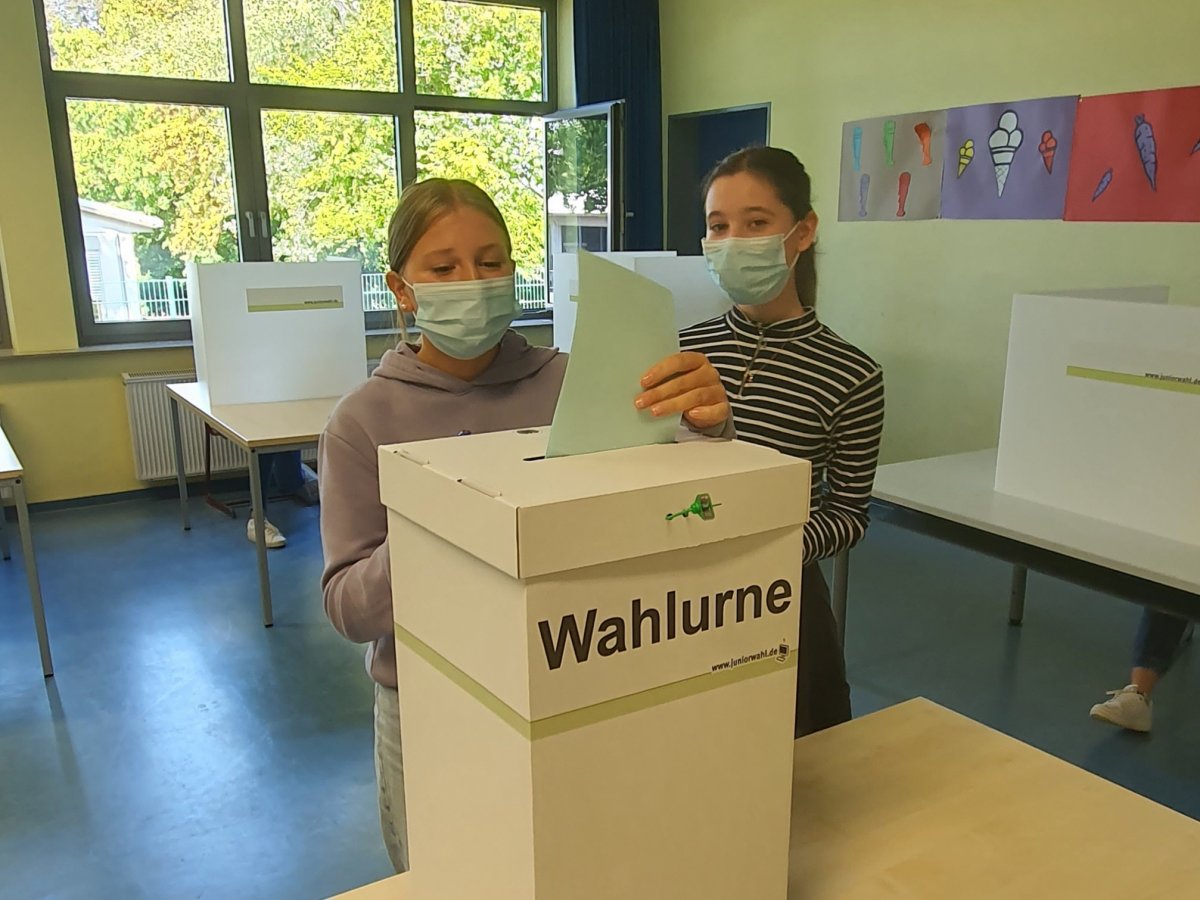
[(1158, 640), (389, 773), (288, 479), (268, 471), (822, 693), (1155, 647)]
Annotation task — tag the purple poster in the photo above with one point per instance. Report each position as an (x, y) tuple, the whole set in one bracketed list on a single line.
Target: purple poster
[(1008, 160)]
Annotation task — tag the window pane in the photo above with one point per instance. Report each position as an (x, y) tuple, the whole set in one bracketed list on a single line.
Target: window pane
[(503, 155), (155, 190), (349, 44), (478, 50), (177, 39), (331, 179), (577, 176)]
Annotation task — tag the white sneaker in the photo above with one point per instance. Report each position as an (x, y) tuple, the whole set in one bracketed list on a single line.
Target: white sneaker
[(1126, 708), (275, 540)]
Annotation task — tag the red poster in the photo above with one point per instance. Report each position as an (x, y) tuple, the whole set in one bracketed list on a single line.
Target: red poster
[(1136, 158)]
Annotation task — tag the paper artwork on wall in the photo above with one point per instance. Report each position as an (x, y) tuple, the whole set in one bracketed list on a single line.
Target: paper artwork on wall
[(1008, 160), (1136, 158), (892, 168)]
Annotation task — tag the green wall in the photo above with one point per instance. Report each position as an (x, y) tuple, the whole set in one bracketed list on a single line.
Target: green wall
[(930, 300)]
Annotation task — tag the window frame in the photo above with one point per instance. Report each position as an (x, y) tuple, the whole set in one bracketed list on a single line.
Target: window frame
[(244, 102)]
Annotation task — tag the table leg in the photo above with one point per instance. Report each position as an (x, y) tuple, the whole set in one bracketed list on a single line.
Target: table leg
[(259, 502), (180, 472), (212, 501), (31, 574), (5, 549), (1016, 596), (841, 580)]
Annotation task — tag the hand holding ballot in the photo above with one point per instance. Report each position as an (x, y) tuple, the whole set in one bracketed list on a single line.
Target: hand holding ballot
[(685, 383)]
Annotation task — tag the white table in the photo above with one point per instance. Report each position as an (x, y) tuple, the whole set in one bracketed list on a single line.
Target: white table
[(953, 498), (257, 428), (916, 802), (12, 475)]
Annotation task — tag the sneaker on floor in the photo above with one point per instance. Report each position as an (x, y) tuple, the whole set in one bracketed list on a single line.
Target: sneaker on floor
[(1125, 708), (275, 539)]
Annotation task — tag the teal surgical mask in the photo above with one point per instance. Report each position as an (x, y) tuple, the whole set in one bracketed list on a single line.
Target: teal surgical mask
[(749, 270), (465, 319)]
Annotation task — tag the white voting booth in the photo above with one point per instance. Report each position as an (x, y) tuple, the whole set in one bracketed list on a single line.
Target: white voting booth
[(1101, 411), (596, 698), (697, 298), (269, 332)]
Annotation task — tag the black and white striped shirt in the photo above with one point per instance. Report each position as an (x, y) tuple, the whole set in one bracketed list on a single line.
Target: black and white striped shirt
[(800, 388)]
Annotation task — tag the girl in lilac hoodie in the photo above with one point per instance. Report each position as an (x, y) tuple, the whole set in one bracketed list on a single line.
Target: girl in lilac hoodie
[(451, 265)]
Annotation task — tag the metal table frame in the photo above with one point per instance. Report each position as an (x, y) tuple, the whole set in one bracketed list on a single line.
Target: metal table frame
[(16, 481), (1024, 557), (257, 497), (952, 498)]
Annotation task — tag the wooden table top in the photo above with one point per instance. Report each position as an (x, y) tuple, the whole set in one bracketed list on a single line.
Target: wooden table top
[(960, 488), (920, 803), (10, 466), (259, 425)]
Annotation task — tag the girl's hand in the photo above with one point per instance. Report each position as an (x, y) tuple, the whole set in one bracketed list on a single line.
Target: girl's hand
[(685, 383)]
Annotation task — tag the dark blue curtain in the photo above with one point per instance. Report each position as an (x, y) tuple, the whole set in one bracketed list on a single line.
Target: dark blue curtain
[(617, 58)]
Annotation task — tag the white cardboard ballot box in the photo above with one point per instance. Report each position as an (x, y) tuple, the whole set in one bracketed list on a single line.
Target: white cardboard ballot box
[(596, 702), (267, 332)]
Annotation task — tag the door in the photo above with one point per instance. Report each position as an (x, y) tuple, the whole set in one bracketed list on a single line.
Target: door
[(695, 143)]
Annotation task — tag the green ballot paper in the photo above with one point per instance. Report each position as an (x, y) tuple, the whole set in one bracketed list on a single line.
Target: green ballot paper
[(624, 324)]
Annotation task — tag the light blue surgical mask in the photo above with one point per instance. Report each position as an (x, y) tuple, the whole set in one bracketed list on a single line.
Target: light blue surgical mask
[(749, 270), (466, 319)]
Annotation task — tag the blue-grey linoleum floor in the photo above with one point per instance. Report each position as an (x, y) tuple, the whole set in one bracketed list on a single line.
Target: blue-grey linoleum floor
[(184, 751)]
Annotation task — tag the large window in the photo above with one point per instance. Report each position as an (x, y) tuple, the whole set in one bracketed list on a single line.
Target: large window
[(503, 155), (222, 130)]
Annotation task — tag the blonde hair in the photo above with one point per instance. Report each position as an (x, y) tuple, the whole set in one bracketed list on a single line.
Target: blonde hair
[(424, 202)]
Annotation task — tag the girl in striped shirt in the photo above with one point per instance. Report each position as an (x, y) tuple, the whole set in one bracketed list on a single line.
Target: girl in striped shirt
[(794, 384)]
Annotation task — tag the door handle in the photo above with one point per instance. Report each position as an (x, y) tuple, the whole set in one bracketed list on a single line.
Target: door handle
[(250, 223), (264, 223)]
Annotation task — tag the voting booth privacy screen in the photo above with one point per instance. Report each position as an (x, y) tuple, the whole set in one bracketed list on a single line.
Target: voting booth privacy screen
[(596, 661), (267, 332), (697, 298), (1101, 411)]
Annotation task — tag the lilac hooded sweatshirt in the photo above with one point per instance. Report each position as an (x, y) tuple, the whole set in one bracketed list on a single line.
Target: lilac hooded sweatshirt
[(407, 400)]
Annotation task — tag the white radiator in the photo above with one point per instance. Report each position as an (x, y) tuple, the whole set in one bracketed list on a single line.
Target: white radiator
[(150, 427)]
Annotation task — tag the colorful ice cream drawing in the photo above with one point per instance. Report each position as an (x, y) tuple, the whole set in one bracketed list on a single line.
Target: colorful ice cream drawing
[(905, 181), (889, 141), (1105, 181), (1004, 143), (864, 185), (1047, 148), (1147, 147), (925, 136), (857, 146), (966, 153)]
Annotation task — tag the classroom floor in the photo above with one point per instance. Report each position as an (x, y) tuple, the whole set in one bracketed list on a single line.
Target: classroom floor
[(184, 751)]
